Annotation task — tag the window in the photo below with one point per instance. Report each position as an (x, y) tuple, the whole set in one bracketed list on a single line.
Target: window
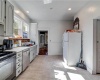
[(25, 30), (17, 26), (20, 28)]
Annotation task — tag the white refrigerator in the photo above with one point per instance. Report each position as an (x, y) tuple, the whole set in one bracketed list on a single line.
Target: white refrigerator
[(71, 47)]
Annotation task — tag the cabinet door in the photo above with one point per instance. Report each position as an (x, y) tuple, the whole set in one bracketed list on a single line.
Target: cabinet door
[(33, 31), (2, 11), (9, 19), (31, 55)]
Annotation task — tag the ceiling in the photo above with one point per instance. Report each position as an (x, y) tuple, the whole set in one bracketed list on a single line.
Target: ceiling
[(57, 10)]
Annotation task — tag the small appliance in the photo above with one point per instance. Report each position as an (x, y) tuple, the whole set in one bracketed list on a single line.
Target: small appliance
[(8, 44)]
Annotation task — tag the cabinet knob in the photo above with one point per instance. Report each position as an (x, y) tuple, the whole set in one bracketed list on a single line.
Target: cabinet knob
[(19, 71), (18, 59), (19, 65), (4, 31)]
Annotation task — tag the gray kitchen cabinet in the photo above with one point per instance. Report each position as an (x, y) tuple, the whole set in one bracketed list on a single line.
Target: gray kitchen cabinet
[(9, 19), (18, 63), (6, 18), (2, 11), (35, 51), (31, 55)]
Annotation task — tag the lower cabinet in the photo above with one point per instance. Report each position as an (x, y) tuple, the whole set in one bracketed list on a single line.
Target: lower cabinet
[(18, 63), (33, 52), (24, 58), (18, 71), (31, 55)]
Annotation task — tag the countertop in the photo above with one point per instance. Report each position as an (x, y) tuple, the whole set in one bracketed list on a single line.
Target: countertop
[(18, 49)]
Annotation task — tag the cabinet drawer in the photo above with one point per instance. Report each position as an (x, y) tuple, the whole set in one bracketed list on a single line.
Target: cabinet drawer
[(19, 54), (18, 64), (19, 60), (18, 71)]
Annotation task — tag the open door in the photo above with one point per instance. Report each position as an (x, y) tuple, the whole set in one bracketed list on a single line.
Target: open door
[(43, 42)]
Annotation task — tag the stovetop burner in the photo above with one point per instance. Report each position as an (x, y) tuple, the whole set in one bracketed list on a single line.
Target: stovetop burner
[(5, 55)]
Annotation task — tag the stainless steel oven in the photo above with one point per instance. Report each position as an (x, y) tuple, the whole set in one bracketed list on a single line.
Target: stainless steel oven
[(7, 66)]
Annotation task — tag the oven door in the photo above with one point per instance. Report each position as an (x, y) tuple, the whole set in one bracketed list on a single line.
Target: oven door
[(8, 68)]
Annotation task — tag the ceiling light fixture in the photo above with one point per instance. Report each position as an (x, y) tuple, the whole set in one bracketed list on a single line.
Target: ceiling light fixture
[(69, 9), (17, 11), (27, 11), (47, 1)]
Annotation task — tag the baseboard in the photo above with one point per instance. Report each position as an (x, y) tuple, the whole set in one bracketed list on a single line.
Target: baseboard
[(91, 71)]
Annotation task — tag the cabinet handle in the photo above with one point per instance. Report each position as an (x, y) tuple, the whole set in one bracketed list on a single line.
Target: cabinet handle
[(18, 59), (18, 54), (19, 65), (3, 20), (28, 54), (19, 71)]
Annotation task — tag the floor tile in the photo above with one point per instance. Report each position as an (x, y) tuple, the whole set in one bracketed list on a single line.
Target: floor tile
[(52, 68)]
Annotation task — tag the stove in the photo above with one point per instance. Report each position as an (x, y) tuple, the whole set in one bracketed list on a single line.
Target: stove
[(7, 65)]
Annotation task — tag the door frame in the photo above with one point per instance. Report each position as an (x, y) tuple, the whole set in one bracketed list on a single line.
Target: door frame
[(95, 53), (48, 39)]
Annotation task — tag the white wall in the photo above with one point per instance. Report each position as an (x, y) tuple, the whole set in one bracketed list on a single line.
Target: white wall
[(56, 30), (87, 14)]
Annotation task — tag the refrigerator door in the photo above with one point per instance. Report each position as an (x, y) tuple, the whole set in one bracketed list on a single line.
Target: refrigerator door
[(65, 37), (74, 48)]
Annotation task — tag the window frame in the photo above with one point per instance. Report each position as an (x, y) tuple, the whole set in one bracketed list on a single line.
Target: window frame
[(24, 23), (20, 29)]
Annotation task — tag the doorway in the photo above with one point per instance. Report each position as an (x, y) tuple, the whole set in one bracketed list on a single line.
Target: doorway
[(43, 42), (98, 46)]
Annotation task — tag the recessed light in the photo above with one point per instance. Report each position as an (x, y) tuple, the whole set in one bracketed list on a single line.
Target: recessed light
[(69, 9), (47, 1), (17, 11), (27, 11)]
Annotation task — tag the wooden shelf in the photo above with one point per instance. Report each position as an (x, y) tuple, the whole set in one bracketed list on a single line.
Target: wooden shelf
[(19, 38), (22, 39)]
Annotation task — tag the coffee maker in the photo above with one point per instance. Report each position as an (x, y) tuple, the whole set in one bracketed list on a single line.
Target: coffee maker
[(8, 44)]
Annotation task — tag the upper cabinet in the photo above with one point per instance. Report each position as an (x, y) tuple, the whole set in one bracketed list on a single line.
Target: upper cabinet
[(9, 19), (6, 17), (2, 11)]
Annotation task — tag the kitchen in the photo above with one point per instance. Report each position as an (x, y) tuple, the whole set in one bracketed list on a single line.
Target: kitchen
[(20, 23), (16, 52)]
